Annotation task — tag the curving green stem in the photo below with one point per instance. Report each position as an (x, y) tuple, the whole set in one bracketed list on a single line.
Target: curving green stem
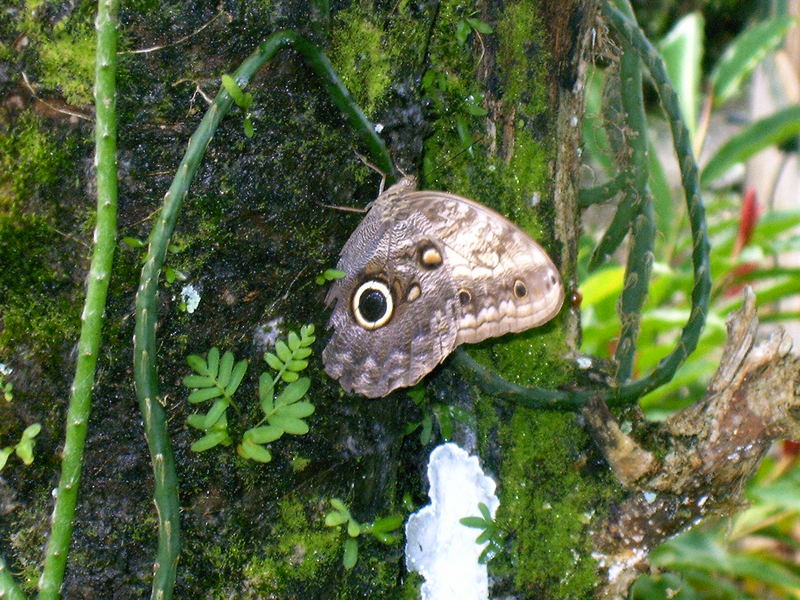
[(92, 317), (144, 353), (642, 228), (631, 34)]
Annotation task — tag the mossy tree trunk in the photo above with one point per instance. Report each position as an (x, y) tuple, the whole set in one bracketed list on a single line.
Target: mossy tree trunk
[(489, 115)]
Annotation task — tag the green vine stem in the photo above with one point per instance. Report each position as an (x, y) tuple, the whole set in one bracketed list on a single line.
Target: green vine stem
[(701, 289), (145, 375), (642, 229), (603, 192), (92, 318)]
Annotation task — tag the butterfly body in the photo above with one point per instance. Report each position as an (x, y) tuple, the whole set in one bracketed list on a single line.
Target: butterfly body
[(426, 272)]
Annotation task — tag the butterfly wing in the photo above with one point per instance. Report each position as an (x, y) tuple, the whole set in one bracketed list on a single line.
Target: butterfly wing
[(383, 255), (506, 282)]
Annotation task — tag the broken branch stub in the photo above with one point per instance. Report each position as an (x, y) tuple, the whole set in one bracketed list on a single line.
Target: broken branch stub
[(708, 450)]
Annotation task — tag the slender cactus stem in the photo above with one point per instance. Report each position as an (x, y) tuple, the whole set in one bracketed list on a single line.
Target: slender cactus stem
[(9, 590), (92, 318), (145, 375), (642, 228), (603, 192), (630, 32)]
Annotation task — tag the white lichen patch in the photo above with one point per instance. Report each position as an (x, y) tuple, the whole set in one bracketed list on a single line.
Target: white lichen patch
[(190, 298), (5, 370), (266, 334), (438, 546)]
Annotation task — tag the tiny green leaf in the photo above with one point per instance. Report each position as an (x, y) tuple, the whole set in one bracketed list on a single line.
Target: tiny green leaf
[(198, 381), (248, 127), (266, 392), (484, 537), (31, 431), (198, 364), (213, 362), (334, 274), (294, 391), (336, 518), (24, 450), (215, 412), (204, 394), (485, 511), (350, 557), (387, 524), (263, 434), (208, 441), (196, 420), (462, 31), (273, 361), (283, 352), (298, 410), (289, 376), (225, 369), (230, 85), (301, 353), (289, 424), (297, 365), (340, 506), (353, 528), (4, 454), (474, 522), (479, 25), (133, 242), (254, 451), (236, 377), (293, 341)]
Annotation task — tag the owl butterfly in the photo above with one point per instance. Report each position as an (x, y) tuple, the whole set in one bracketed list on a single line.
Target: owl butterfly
[(427, 271)]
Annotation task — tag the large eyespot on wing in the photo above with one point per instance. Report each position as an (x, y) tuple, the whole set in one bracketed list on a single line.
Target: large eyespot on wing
[(372, 305)]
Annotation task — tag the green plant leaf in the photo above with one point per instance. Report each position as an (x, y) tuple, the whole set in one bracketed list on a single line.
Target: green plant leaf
[(484, 536), (4, 454), (213, 362), (462, 31), (263, 434), (31, 431), (198, 381), (196, 420), (24, 449), (293, 341), (215, 412), (387, 524), (743, 55), (334, 274), (266, 392), (230, 85), (336, 518), (427, 429), (289, 424), (225, 370), (204, 394), (208, 441), (248, 449), (340, 506), (479, 25), (474, 522), (236, 377), (485, 511), (350, 557), (293, 392), (283, 352), (248, 127), (301, 353), (297, 365), (353, 528), (682, 50), (198, 364), (273, 361), (298, 410), (289, 376), (133, 242), (775, 129)]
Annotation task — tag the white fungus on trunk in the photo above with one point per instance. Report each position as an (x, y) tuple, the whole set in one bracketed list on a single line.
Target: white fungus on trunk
[(440, 548)]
